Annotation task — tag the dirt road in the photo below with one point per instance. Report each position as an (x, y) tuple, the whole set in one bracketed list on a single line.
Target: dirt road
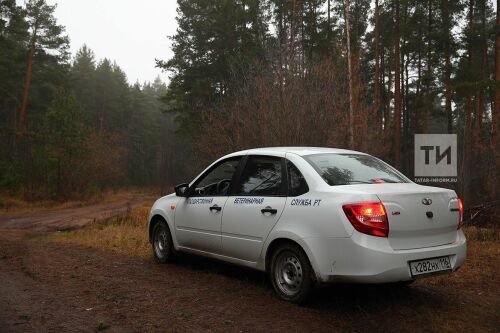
[(70, 218), (52, 287)]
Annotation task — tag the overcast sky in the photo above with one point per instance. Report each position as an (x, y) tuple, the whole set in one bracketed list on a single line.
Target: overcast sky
[(131, 32)]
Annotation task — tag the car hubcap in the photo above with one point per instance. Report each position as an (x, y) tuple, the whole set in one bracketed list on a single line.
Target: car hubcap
[(161, 242), (288, 274)]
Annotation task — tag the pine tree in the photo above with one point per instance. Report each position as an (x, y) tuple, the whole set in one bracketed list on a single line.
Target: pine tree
[(66, 135), (44, 35), (83, 79), (13, 34), (209, 53)]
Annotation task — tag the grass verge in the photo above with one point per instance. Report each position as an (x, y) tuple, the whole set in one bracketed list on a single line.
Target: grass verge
[(123, 233), (127, 234)]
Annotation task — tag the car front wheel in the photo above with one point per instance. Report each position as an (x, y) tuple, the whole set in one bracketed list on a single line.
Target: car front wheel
[(163, 249), (291, 273)]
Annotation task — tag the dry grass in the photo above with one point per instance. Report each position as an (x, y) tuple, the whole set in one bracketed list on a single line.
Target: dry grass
[(127, 234), (474, 233), (124, 234), (483, 251), (13, 204)]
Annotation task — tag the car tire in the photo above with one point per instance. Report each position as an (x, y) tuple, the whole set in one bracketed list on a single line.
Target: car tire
[(291, 274), (163, 247)]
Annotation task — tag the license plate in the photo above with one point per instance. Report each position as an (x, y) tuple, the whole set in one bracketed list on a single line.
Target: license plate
[(430, 266)]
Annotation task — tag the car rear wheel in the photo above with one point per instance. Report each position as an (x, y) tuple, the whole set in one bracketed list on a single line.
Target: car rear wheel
[(291, 273), (163, 249)]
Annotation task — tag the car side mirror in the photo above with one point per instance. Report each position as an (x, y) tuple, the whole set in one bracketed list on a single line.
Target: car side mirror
[(181, 190)]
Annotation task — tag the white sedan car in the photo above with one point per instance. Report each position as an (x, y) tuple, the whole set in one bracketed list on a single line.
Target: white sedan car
[(312, 215)]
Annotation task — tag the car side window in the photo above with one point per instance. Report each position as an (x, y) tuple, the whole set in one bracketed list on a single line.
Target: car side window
[(262, 176), (297, 184), (217, 181)]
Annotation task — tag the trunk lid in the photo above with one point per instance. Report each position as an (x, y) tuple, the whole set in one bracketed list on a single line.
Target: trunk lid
[(419, 216)]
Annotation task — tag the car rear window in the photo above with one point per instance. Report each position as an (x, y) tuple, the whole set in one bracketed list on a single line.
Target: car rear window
[(297, 185), (348, 169)]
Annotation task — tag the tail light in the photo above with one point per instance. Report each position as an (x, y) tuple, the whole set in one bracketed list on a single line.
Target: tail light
[(368, 217), (460, 213)]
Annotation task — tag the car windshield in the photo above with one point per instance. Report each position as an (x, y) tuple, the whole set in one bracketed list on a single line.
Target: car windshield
[(348, 169)]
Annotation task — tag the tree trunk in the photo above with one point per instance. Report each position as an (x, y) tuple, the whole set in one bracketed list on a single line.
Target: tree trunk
[(103, 109), (406, 120), (14, 126), (468, 115), (447, 66), (397, 93), (406, 148), (293, 26), (495, 117), (26, 89), (483, 77), (376, 79), (383, 92), (329, 20), (447, 93), (493, 177), (349, 71), (416, 113), (387, 115), (428, 74)]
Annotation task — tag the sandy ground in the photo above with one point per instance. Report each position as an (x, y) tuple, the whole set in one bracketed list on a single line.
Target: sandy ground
[(52, 287)]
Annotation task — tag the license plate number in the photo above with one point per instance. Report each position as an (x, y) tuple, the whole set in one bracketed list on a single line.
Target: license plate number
[(430, 266)]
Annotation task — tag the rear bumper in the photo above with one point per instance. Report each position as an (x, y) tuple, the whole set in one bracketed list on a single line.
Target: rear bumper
[(367, 259)]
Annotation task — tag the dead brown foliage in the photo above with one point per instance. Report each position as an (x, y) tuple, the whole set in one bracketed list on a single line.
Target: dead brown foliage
[(274, 107)]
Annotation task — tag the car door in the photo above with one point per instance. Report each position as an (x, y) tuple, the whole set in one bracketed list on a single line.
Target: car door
[(256, 202), (198, 217)]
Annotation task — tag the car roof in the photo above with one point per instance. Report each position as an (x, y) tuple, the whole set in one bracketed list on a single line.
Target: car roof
[(301, 151)]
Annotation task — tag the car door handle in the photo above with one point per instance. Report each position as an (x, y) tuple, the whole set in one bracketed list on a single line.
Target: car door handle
[(216, 208), (269, 210)]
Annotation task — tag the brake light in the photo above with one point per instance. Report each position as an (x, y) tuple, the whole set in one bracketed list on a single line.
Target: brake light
[(368, 217), (460, 213)]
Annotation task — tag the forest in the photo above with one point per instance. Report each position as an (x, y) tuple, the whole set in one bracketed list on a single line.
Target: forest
[(72, 126), (358, 74)]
